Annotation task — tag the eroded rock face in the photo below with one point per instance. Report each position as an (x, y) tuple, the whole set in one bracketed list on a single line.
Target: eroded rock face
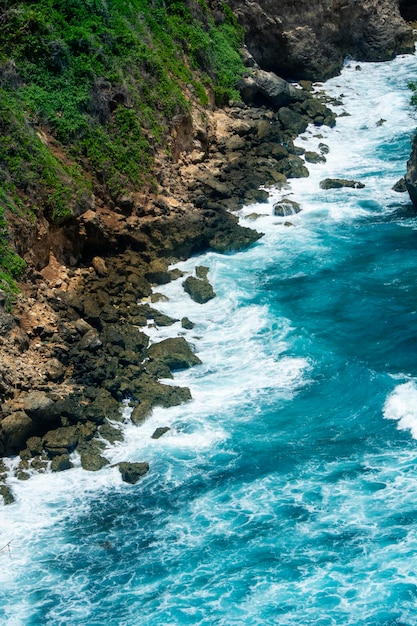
[(309, 39)]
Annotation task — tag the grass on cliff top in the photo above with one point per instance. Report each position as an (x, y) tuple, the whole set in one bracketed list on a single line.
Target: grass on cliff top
[(94, 85)]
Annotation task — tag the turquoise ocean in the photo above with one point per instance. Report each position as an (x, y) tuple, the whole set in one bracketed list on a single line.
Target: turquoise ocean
[(286, 490)]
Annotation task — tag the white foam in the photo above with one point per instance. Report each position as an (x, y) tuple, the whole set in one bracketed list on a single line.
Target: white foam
[(401, 405)]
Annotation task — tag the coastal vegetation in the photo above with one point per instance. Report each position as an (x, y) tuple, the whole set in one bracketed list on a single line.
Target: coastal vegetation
[(88, 93)]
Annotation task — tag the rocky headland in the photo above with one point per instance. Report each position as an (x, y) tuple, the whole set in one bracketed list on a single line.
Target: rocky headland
[(74, 342)]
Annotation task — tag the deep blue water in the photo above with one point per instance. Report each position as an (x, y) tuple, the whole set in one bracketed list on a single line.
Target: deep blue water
[(286, 491)]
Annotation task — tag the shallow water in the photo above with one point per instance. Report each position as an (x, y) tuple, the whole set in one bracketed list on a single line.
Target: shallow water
[(285, 491)]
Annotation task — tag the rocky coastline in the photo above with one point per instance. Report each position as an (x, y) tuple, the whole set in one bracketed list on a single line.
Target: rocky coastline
[(74, 345)]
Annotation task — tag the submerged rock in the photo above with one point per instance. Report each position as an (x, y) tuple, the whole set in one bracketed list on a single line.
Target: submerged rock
[(286, 207), (160, 431), (338, 183)]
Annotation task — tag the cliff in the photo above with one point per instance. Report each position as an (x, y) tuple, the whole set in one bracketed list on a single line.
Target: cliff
[(310, 40)]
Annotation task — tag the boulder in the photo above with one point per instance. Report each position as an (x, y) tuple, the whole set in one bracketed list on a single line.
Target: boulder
[(39, 406), (293, 123), (60, 463), (400, 186), (174, 352), (338, 183), (15, 430), (259, 85), (314, 157), (199, 290), (148, 393), (60, 440), (132, 472)]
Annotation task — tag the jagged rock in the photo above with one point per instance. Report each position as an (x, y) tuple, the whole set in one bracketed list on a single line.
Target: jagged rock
[(161, 430), (400, 186), (54, 370), (293, 167), (286, 207), (338, 183), (201, 271), (92, 462), (34, 445), (174, 352), (132, 472), (60, 463), (199, 290)]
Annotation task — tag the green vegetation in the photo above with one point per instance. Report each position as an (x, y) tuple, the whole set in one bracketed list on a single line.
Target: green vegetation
[(94, 85)]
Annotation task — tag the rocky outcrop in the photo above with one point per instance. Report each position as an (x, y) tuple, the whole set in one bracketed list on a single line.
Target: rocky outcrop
[(307, 39), (411, 175)]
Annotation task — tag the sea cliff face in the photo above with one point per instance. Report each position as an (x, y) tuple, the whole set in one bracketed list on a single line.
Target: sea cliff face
[(71, 345), (309, 40)]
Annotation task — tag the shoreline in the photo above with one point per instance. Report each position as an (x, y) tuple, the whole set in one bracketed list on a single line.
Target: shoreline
[(85, 325)]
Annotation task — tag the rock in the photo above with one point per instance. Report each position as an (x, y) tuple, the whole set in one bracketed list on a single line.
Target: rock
[(100, 266), (149, 393), (201, 271), (411, 175), (60, 463), (400, 186), (159, 432), (199, 290), (15, 430), (7, 495), (90, 341), (60, 440), (286, 207), (314, 157), (260, 86), (174, 352), (338, 183), (293, 122), (92, 462), (132, 472), (39, 406), (187, 324), (310, 40)]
